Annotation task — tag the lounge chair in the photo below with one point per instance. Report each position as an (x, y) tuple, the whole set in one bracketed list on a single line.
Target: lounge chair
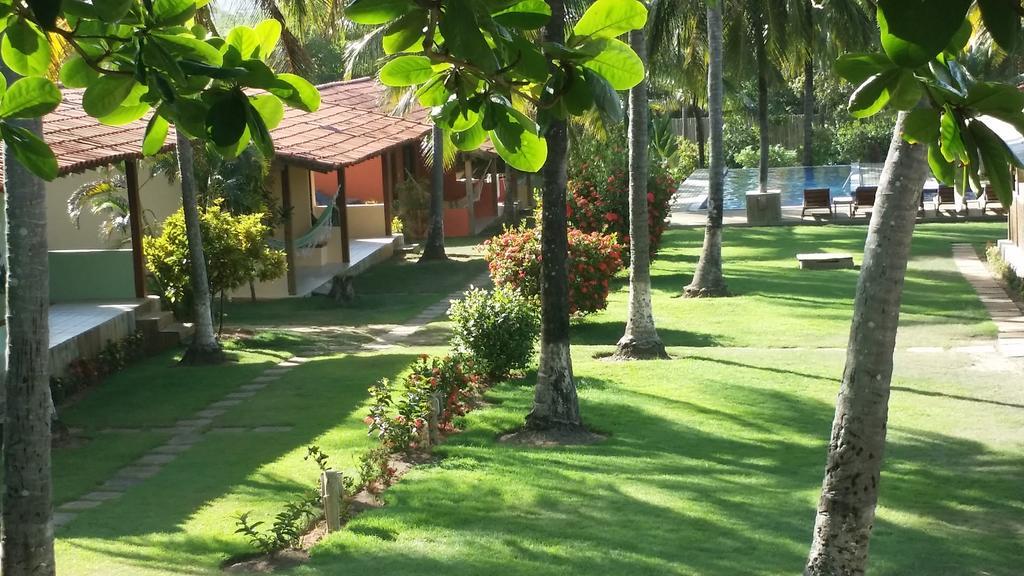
[(946, 196), (864, 197), (985, 201), (817, 199), (920, 205)]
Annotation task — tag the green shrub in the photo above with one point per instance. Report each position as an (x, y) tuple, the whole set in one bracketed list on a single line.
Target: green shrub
[(736, 136), (513, 259), (778, 155), (235, 248), (497, 327), (864, 140)]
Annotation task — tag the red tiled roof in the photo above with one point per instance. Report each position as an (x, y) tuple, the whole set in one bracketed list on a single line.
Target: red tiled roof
[(351, 125)]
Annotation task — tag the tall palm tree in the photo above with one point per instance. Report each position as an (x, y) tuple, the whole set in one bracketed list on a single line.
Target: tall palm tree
[(433, 246), (27, 496), (708, 280), (640, 340), (204, 348)]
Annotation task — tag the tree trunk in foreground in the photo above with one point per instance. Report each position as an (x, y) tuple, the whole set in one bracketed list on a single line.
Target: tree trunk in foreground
[(204, 348), (849, 493), (508, 213), (433, 246), (555, 405), (27, 547), (760, 51), (809, 87), (640, 341), (707, 279)]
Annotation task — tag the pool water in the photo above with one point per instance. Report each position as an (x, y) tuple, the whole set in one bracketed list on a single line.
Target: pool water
[(791, 182)]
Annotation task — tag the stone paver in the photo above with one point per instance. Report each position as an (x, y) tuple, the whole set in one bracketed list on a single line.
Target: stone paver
[(103, 495), (80, 505), (63, 518), (139, 471), (226, 403), (1004, 311), (272, 429), (120, 483), (266, 379), (156, 459), (171, 448)]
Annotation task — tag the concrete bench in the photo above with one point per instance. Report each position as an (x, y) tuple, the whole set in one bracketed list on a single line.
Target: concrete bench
[(824, 261)]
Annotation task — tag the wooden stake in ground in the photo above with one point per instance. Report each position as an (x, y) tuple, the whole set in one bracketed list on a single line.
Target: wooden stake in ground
[(331, 494)]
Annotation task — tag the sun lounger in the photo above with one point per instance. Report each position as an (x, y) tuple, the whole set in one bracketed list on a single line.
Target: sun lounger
[(985, 201), (946, 196), (864, 198), (817, 199)]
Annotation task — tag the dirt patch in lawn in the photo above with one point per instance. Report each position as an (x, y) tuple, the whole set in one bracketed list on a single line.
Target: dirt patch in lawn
[(552, 438)]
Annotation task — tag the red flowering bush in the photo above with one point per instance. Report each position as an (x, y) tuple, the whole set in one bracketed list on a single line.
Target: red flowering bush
[(514, 256), (400, 417), (599, 189)]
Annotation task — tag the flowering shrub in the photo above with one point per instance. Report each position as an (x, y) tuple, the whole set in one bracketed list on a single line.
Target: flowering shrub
[(514, 256), (399, 418), (498, 327), (598, 188)]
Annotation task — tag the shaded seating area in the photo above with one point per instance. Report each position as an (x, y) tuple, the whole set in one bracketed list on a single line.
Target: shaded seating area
[(985, 201), (864, 198), (817, 199)]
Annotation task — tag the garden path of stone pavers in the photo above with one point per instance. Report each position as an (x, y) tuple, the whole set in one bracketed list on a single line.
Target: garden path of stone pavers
[(187, 432)]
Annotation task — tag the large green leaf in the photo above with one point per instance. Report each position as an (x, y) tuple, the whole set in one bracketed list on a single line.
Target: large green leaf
[(246, 41), (269, 108), (432, 93), (226, 120), (76, 73), (130, 110), (112, 10), (46, 11), (921, 126), (611, 18), (515, 138), (156, 135), (189, 47), (406, 70), (606, 99), (996, 159), (524, 15), (463, 38), (30, 150), (375, 12), (25, 48), (873, 95), (915, 31), (30, 98), (471, 138), (941, 168), (952, 144), (258, 132), (173, 12), (856, 68), (618, 64), (106, 94), (906, 92), (268, 32), (406, 32), (995, 98), (296, 91), (1002, 20), (530, 62)]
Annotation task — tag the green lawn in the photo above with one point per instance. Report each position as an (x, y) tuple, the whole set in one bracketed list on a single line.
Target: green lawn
[(713, 460), (390, 293)]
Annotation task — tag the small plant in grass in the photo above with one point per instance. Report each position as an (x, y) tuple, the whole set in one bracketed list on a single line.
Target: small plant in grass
[(375, 470), (396, 423), (453, 379), (1002, 269), (498, 328), (286, 530)]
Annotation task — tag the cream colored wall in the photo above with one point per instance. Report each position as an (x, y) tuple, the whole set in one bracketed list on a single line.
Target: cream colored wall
[(365, 221)]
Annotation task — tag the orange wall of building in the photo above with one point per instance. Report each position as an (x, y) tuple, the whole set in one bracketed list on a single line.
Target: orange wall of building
[(364, 181)]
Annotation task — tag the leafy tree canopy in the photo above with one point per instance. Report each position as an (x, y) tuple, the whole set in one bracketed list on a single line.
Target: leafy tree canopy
[(137, 56), (962, 120), (475, 63)]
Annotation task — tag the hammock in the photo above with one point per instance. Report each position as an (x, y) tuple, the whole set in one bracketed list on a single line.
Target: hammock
[(317, 237)]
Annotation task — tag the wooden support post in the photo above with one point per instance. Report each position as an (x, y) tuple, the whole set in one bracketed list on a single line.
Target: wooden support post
[(131, 176), (388, 184), (342, 203), (470, 186), (330, 496), (289, 229)]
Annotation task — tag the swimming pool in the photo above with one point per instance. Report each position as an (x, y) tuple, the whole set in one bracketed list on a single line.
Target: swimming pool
[(789, 181)]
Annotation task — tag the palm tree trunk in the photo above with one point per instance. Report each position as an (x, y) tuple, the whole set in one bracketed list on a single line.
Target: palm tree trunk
[(809, 85), (204, 348), (846, 511), (433, 247), (27, 495), (760, 51), (555, 404), (707, 279), (511, 195), (640, 341)]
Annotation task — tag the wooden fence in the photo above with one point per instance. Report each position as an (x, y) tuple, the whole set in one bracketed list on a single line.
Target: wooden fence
[(787, 130)]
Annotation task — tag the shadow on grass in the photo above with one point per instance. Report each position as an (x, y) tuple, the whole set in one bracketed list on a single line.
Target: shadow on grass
[(606, 333)]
